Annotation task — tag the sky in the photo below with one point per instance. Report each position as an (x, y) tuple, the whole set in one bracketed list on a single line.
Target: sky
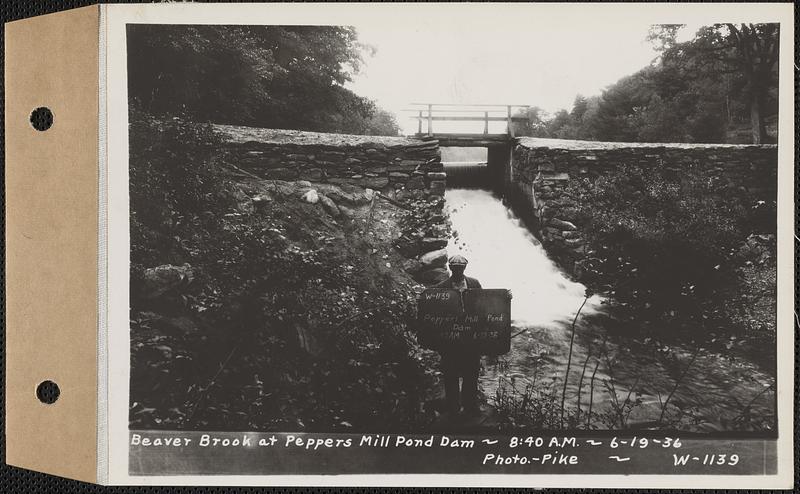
[(474, 62)]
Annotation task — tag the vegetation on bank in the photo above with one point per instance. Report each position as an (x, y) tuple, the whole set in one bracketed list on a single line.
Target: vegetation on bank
[(689, 260), (254, 309)]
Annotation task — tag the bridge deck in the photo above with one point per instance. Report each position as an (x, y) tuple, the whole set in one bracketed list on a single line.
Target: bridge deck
[(468, 140)]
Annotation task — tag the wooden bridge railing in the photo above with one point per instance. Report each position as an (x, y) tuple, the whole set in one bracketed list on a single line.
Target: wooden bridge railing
[(430, 112)]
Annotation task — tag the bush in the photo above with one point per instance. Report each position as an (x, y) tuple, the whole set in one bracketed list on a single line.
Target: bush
[(284, 325), (665, 245)]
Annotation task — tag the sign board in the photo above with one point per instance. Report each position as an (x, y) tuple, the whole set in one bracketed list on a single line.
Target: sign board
[(475, 319)]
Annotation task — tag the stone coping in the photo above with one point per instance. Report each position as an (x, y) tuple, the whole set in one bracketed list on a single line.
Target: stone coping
[(234, 134), (575, 145)]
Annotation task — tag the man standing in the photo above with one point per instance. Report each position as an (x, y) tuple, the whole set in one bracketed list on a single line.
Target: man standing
[(458, 364)]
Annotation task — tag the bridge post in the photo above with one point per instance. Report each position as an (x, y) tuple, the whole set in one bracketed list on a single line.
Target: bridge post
[(430, 120), (419, 121), (486, 122), (510, 123)]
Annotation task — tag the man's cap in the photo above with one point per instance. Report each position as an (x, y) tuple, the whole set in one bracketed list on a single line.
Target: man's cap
[(458, 260)]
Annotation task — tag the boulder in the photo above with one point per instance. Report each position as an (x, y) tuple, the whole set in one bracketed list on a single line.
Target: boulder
[(375, 182), (346, 212), (434, 243), (412, 266), (434, 258), (408, 246), (311, 196), (329, 205), (432, 276)]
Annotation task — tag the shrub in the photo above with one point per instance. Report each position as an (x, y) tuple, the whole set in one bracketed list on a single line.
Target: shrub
[(665, 245)]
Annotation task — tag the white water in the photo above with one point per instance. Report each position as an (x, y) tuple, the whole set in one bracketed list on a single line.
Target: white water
[(502, 253)]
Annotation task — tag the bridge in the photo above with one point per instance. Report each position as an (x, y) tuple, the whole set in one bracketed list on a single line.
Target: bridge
[(495, 170), (428, 113)]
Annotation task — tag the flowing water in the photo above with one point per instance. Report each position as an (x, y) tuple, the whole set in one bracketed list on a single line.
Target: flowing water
[(714, 394)]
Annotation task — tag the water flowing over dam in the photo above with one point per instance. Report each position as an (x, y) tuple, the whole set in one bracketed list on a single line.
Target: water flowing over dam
[(502, 253), (626, 381)]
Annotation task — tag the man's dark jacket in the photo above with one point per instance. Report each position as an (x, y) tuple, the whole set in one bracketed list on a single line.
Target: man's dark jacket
[(448, 283)]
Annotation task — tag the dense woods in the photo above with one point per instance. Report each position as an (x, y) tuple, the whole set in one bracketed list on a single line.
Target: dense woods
[(719, 87), (283, 77)]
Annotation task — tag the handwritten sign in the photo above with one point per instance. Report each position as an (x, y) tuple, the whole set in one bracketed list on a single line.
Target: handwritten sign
[(477, 320)]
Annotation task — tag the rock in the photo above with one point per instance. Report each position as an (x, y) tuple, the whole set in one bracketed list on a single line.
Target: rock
[(413, 266), (311, 196), (346, 212), (399, 175), (303, 183), (329, 205), (432, 276), (434, 258), (561, 224), (408, 247), (314, 173), (438, 187), (399, 167), (434, 243), (280, 174), (415, 183), (570, 234), (375, 182), (161, 279), (437, 175)]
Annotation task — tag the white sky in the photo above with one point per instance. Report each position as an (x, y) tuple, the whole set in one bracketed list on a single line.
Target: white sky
[(543, 65)]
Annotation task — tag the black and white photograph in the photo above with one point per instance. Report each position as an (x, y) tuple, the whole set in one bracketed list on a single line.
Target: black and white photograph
[(389, 232)]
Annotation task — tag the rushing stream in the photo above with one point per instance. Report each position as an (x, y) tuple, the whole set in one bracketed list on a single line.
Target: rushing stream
[(714, 394)]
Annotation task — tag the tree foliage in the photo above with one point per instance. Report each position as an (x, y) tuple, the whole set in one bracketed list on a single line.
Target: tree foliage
[(263, 76), (720, 86)]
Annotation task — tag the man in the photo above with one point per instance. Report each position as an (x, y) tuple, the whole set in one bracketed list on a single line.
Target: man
[(460, 363)]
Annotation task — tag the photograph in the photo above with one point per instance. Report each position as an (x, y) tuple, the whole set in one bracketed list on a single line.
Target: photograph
[(387, 228)]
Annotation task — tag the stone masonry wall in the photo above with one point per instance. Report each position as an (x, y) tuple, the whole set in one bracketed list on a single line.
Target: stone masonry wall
[(542, 169), (396, 166)]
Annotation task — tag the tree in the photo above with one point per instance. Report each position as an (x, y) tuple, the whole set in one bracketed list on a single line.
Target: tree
[(741, 59), (535, 125), (579, 108), (265, 76), (756, 49), (382, 123)]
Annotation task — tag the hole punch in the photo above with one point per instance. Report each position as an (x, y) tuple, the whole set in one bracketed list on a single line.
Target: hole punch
[(42, 118), (48, 392)]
